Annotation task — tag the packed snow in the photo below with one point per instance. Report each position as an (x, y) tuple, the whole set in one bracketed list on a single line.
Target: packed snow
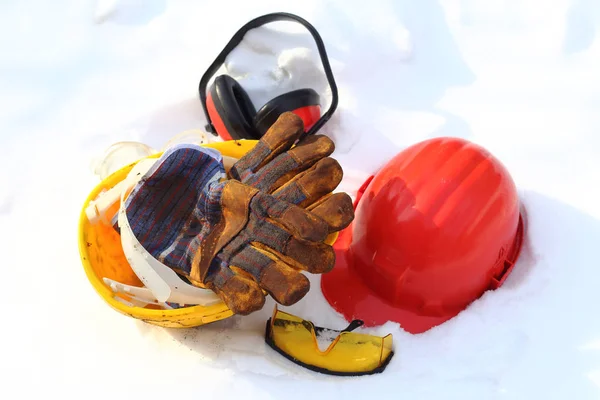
[(519, 77)]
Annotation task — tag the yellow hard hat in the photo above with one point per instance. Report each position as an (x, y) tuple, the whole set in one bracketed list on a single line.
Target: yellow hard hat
[(104, 260)]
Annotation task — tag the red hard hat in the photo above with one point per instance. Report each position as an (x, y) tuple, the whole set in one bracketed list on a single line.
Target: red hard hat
[(434, 229)]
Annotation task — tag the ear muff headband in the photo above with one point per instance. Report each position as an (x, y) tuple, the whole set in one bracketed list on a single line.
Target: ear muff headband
[(236, 40)]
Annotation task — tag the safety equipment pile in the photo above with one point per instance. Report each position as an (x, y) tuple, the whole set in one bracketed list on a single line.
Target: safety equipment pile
[(249, 232)]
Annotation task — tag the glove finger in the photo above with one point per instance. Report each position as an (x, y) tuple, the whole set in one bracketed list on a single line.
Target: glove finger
[(278, 139), (239, 292), (312, 256), (292, 219), (289, 164), (311, 185), (306, 153), (286, 285), (335, 209)]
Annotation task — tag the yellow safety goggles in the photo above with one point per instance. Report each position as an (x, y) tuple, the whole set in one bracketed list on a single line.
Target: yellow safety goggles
[(348, 353)]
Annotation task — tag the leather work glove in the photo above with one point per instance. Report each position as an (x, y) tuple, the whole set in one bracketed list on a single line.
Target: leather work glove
[(230, 236), (304, 175)]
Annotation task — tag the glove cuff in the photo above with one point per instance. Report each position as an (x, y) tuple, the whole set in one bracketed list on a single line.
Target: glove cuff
[(165, 201)]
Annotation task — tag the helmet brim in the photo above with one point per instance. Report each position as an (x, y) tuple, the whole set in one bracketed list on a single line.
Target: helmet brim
[(348, 295), (345, 292)]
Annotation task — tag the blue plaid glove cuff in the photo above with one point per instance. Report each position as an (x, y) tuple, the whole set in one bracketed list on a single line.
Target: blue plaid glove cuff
[(173, 205)]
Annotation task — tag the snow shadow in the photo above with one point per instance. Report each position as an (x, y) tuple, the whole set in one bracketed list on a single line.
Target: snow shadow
[(540, 324), (393, 66), (555, 301), (583, 22), (129, 12)]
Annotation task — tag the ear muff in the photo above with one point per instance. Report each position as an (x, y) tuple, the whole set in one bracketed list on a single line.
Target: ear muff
[(303, 102), (234, 119), (231, 109)]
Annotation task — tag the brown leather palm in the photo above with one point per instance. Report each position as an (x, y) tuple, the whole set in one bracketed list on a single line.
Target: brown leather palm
[(303, 174), (277, 211), (260, 243)]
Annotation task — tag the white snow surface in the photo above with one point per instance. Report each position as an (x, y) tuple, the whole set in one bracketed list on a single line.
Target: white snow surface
[(519, 77)]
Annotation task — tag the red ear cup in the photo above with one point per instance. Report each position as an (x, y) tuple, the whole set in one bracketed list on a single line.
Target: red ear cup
[(303, 102), (309, 114), (234, 117), (231, 110), (217, 122)]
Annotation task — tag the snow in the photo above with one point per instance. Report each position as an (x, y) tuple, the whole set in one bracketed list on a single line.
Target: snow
[(518, 77)]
